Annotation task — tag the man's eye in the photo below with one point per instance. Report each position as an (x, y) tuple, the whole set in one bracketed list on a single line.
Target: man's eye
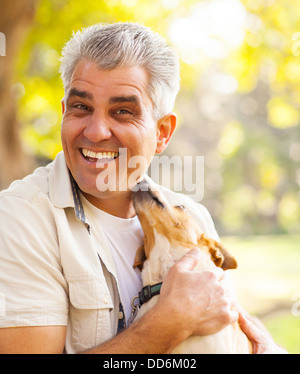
[(80, 107), (123, 111)]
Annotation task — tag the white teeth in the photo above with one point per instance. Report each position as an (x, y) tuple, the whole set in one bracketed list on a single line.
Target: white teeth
[(99, 155)]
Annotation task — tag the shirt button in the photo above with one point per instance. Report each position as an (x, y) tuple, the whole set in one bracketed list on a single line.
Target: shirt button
[(121, 315), (106, 299)]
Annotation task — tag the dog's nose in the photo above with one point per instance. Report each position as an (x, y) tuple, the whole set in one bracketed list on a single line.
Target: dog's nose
[(140, 191), (143, 193), (142, 186)]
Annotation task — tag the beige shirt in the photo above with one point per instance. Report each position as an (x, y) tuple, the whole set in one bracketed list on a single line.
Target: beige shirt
[(55, 267)]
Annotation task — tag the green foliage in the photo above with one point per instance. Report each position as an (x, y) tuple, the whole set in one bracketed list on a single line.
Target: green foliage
[(267, 283)]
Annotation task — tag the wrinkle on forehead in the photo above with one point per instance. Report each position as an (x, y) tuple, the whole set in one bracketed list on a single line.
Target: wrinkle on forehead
[(135, 77)]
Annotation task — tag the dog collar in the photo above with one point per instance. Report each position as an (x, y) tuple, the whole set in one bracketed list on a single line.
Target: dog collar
[(148, 292)]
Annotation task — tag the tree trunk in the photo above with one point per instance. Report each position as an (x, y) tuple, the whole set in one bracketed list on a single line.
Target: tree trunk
[(15, 18)]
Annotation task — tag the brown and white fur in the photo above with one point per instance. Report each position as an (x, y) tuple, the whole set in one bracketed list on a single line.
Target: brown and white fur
[(169, 232)]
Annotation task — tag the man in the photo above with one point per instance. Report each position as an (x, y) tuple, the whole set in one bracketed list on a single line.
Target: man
[(67, 244)]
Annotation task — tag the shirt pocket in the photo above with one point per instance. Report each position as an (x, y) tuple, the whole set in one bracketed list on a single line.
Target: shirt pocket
[(89, 314), (89, 294)]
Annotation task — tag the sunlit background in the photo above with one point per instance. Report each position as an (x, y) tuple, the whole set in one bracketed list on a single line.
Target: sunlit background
[(238, 107)]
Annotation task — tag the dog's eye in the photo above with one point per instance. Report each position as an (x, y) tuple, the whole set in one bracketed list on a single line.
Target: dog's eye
[(158, 202), (182, 207)]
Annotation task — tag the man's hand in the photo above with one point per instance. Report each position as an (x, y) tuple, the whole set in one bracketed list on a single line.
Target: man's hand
[(196, 298), (192, 302), (260, 338)]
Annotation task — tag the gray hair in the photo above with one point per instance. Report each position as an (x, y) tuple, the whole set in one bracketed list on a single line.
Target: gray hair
[(127, 44)]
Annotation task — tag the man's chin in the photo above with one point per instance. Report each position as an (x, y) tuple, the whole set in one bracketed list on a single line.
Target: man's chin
[(103, 184), (102, 189)]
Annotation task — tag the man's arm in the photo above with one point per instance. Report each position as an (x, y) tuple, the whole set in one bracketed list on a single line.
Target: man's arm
[(183, 310), (190, 303), (33, 339), (31, 280), (260, 338)]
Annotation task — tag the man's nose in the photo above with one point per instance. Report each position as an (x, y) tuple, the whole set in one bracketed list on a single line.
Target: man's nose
[(98, 128)]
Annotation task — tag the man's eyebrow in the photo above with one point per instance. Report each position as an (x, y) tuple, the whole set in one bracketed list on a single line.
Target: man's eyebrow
[(124, 99), (82, 94)]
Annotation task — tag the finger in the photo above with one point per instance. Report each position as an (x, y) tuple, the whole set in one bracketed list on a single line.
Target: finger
[(249, 328), (193, 258), (190, 260)]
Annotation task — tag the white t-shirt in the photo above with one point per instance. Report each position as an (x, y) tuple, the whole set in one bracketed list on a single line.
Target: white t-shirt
[(125, 236)]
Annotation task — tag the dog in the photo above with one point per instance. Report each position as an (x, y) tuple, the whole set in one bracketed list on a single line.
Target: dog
[(169, 233)]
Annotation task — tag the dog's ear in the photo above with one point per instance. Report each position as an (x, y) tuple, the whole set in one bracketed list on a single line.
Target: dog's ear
[(140, 257), (219, 254), (222, 257)]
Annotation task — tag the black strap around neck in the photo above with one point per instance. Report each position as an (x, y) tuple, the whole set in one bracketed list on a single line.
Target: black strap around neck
[(148, 292)]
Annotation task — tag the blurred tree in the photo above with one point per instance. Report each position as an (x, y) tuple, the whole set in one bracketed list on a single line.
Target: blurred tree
[(15, 18)]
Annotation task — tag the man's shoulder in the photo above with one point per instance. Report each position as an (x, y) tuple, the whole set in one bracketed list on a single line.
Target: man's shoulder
[(50, 182), (31, 185), (33, 198)]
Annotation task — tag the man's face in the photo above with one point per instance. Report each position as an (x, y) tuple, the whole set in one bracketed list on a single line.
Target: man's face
[(105, 111)]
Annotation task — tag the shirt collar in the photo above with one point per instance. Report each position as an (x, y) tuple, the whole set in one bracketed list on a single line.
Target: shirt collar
[(63, 189), (79, 211)]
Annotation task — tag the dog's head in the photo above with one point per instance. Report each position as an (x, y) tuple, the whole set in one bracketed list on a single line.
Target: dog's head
[(157, 216)]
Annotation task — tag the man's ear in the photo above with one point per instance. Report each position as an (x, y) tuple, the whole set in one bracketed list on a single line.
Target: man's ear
[(165, 129), (63, 106)]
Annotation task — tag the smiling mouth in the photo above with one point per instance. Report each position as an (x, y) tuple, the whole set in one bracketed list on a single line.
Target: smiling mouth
[(95, 156)]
